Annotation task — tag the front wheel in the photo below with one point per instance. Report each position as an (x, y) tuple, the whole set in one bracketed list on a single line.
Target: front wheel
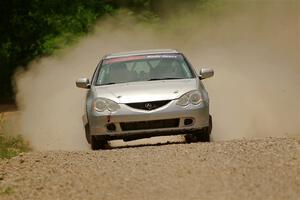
[(97, 144), (203, 137), (200, 136), (87, 133)]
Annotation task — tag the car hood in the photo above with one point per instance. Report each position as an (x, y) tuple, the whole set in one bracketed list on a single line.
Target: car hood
[(146, 91)]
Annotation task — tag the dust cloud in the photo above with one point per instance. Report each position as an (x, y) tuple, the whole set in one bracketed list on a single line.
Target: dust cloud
[(253, 47)]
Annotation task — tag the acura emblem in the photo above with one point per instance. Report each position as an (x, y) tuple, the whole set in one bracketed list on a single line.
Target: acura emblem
[(148, 106)]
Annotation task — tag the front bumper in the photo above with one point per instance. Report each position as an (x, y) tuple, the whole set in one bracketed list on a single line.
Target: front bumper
[(98, 122)]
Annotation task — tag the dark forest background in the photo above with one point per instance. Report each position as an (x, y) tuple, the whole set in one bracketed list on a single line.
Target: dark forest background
[(34, 28)]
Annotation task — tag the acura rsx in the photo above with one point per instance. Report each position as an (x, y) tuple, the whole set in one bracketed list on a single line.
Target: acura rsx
[(142, 94)]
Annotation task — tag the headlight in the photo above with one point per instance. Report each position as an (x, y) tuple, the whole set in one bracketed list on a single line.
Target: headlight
[(102, 104), (194, 97), (112, 106)]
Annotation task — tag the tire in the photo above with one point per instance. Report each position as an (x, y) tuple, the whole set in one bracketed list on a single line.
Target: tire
[(97, 144), (87, 133), (190, 138), (202, 135), (210, 124)]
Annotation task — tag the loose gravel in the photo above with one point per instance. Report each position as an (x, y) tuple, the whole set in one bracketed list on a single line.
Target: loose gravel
[(238, 169)]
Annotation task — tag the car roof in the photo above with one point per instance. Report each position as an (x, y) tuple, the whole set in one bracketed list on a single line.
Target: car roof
[(140, 52)]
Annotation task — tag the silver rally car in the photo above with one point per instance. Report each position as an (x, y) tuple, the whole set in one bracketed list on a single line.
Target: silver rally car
[(141, 94)]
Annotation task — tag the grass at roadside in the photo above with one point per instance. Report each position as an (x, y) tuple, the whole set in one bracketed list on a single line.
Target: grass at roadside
[(12, 146), (6, 191)]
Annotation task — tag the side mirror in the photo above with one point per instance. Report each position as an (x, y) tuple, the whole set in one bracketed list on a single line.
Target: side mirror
[(83, 83), (206, 73)]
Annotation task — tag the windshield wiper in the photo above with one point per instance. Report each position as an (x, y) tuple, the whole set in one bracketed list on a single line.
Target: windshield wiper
[(167, 78), (108, 83)]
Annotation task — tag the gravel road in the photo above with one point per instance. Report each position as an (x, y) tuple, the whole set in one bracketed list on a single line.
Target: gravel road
[(238, 169)]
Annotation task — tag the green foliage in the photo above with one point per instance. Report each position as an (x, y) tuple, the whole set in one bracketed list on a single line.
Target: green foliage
[(34, 28), (12, 146), (6, 191)]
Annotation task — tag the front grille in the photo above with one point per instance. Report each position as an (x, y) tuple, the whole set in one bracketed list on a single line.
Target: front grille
[(155, 124), (148, 105)]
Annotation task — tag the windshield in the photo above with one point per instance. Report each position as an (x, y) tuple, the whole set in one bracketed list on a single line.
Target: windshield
[(143, 68)]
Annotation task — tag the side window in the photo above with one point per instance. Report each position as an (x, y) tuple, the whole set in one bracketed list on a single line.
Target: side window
[(104, 74), (96, 72), (186, 69)]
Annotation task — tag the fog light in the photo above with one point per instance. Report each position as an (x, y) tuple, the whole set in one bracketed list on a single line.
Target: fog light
[(111, 127), (188, 122)]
